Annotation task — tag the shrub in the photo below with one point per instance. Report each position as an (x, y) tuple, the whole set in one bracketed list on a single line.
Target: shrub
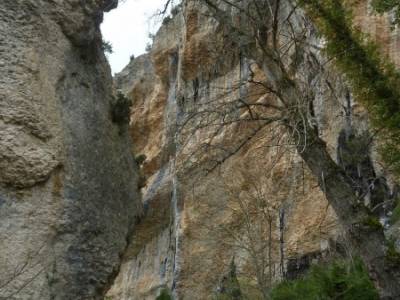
[(372, 223), (166, 20), (338, 280), (106, 47), (164, 295), (121, 109), (140, 159)]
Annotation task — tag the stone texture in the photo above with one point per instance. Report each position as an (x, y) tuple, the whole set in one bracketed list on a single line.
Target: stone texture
[(68, 191), (70, 211), (180, 243)]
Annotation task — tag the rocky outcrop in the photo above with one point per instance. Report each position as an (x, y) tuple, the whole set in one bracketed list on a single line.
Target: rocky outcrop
[(68, 179)]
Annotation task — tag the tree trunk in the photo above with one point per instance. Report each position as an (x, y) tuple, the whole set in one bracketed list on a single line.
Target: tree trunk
[(367, 239)]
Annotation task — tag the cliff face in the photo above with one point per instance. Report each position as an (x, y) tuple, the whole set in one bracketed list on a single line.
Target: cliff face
[(68, 180), (191, 227), (69, 201)]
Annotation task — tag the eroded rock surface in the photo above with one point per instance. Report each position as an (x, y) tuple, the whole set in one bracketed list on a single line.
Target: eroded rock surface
[(181, 243), (68, 179), (179, 246)]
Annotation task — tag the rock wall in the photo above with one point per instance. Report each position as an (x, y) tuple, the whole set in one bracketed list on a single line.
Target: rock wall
[(68, 179), (184, 242), (181, 244)]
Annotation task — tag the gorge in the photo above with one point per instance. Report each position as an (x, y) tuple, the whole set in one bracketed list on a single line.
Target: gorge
[(204, 176)]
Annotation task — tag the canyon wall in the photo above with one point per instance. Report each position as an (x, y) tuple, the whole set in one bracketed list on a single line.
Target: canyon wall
[(68, 178), (70, 209), (184, 244)]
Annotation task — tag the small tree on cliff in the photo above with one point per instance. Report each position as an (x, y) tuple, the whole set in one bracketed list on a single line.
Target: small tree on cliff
[(274, 37), (250, 229)]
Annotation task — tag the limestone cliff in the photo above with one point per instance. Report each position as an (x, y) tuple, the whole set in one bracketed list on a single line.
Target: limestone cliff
[(180, 244), (70, 209), (68, 179)]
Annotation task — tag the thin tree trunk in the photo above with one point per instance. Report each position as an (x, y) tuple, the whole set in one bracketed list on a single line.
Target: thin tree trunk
[(368, 241), (270, 252), (282, 241)]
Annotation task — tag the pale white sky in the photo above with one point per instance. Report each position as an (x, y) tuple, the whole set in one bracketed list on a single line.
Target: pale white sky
[(127, 28)]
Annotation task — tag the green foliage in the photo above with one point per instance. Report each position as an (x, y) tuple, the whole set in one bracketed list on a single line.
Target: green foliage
[(250, 289), (121, 109), (372, 222), (382, 6), (166, 20), (106, 47), (375, 81), (140, 159), (164, 295), (339, 280)]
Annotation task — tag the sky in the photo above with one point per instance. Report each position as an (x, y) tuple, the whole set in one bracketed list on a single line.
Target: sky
[(127, 28)]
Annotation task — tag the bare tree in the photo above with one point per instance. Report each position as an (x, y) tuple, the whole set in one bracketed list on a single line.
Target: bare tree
[(274, 35), (251, 229)]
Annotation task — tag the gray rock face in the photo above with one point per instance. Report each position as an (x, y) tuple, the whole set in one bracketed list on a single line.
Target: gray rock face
[(68, 180)]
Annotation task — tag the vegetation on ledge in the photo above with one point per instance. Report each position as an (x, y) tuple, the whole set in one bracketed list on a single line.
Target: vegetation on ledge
[(338, 280)]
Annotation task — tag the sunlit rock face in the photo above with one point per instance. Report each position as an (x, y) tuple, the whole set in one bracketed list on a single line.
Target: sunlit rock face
[(193, 224), (68, 179)]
